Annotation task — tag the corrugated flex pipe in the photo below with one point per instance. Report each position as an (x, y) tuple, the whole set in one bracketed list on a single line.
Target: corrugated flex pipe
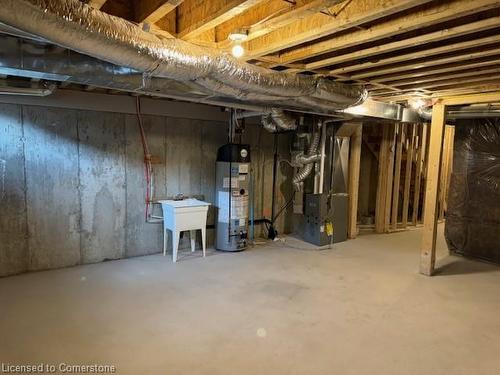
[(79, 27), (305, 171)]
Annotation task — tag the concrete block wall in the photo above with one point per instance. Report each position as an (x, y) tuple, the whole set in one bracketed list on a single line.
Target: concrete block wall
[(72, 187)]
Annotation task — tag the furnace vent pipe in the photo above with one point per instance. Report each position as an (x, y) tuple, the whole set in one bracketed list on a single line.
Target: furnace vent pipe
[(277, 119), (77, 26), (306, 170)]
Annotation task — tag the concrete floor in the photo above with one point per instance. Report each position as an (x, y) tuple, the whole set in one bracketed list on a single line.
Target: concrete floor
[(360, 308)]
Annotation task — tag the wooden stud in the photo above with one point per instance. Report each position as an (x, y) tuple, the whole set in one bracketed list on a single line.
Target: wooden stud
[(451, 142), (429, 231), (390, 177), (443, 173), (418, 172), (383, 162), (354, 167), (397, 175), (408, 170)]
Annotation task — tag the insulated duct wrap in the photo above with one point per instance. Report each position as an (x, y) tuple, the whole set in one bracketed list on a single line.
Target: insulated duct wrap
[(473, 209), (74, 25)]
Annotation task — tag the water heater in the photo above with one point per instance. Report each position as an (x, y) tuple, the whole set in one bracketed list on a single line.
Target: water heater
[(231, 196)]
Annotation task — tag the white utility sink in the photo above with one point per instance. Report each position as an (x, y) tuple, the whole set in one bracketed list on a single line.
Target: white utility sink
[(182, 215)]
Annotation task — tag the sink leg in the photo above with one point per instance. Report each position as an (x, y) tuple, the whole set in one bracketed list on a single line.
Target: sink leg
[(165, 240), (192, 235), (175, 244), (203, 239)]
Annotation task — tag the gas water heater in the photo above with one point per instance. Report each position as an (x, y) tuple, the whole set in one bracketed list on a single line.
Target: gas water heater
[(231, 196)]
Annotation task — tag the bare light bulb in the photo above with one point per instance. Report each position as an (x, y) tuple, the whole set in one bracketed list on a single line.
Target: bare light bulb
[(237, 50)]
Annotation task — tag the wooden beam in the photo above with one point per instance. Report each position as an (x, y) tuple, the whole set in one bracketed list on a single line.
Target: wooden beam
[(397, 175), (434, 13), (437, 36), (195, 17), (429, 231), (340, 17), (347, 129), (481, 88), (151, 11), (408, 170), (451, 142), (97, 4), (493, 97), (442, 176), (269, 16), (354, 167), (408, 58)]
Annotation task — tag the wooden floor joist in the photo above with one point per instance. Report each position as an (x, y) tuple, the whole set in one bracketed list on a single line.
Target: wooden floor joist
[(437, 36)]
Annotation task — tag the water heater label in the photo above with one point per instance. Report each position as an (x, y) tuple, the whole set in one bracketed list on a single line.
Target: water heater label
[(234, 182), (243, 168)]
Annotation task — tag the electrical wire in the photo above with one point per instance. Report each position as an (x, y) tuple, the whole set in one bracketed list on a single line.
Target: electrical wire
[(148, 169)]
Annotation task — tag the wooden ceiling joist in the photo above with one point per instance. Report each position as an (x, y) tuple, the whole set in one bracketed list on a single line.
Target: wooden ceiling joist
[(194, 17), (151, 11), (443, 70), (434, 13), (434, 78), (423, 54), (494, 53), (259, 25), (420, 40), (320, 25)]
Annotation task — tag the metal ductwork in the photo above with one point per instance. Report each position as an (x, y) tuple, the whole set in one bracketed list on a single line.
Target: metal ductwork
[(197, 70), (311, 157), (277, 120)]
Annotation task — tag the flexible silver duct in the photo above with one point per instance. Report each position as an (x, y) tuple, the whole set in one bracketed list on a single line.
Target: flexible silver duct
[(303, 159), (277, 119), (76, 26), (425, 112), (283, 120), (268, 124), (305, 171)]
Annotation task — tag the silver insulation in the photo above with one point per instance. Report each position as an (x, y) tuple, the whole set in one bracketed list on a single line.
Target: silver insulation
[(268, 124), (74, 25), (283, 120), (305, 171), (277, 119)]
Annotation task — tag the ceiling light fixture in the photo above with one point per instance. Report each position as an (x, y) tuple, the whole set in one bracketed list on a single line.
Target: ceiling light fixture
[(238, 50), (238, 35)]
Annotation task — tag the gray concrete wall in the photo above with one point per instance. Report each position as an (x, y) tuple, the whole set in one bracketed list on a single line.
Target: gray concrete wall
[(72, 188)]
